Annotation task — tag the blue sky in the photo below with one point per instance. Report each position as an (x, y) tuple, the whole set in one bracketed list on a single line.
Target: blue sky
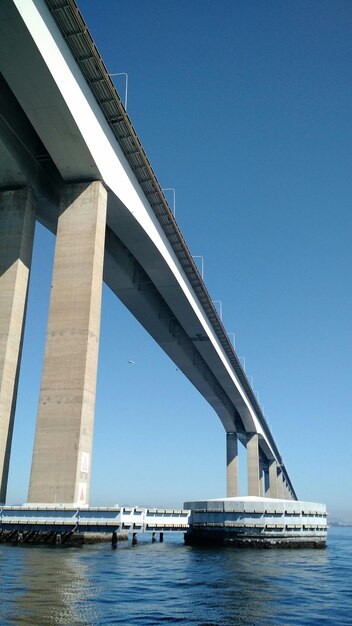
[(245, 108)]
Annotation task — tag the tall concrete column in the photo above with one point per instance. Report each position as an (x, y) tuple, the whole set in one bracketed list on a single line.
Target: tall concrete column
[(232, 465), (284, 489), (253, 465), (261, 479), (285, 492), (266, 481), (280, 485), (61, 463), (273, 480), (17, 223)]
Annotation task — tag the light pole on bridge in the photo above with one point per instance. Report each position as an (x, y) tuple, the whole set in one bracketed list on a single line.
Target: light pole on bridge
[(126, 85), (197, 256), (174, 197), (220, 307), (233, 339)]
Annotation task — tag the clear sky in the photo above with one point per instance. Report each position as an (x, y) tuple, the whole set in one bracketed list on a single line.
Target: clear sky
[(245, 108)]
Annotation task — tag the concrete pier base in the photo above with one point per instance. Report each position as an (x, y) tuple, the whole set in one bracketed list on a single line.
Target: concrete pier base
[(63, 442), (17, 222), (53, 538), (257, 522)]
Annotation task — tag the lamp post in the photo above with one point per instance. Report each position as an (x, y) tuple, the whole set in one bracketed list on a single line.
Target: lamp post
[(174, 195), (233, 339), (220, 307), (197, 256), (126, 85)]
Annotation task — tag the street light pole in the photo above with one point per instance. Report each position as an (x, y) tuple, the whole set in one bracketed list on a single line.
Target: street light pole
[(126, 84), (220, 307), (233, 339), (197, 256), (174, 195)]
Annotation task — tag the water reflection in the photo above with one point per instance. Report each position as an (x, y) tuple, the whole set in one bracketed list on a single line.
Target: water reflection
[(170, 583), (47, 586)]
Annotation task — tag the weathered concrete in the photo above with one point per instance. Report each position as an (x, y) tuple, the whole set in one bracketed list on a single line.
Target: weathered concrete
[(257, 522), (273, 488), (261, 480), (253, 465), (280, 485), (232, 465), (81, 143), (266, 481), (63, 443), (17, 223)]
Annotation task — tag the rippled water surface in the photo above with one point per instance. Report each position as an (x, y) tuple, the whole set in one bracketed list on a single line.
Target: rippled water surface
[(170, 583)]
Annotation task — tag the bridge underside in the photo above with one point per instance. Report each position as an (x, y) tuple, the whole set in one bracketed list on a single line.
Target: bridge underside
[(42, 149)]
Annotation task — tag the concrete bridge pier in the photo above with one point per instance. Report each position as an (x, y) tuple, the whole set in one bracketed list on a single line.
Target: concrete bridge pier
[(261, 478), (273, 480), (287, 491), (17, 221), (280, 484), (284, 491), (266, 492), (61, 464), (253, 464), (232, 465)]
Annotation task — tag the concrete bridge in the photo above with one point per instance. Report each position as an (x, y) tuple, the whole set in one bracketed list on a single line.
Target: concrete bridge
[(70, 158)]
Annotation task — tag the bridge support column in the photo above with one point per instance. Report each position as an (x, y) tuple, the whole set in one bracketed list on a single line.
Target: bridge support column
[(262, 479), (17, 223), (232, 465), (61, 463), (283, 489), (280, 485), (266, 481), (253, 465), (273, 480)]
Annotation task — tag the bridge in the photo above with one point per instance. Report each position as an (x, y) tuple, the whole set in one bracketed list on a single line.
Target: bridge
[(71, 159)]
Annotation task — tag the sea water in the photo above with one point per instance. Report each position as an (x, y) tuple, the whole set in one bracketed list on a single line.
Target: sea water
[(170, 583)]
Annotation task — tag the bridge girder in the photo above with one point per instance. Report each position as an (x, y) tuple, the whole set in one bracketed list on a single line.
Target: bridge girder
[(56, 146)]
